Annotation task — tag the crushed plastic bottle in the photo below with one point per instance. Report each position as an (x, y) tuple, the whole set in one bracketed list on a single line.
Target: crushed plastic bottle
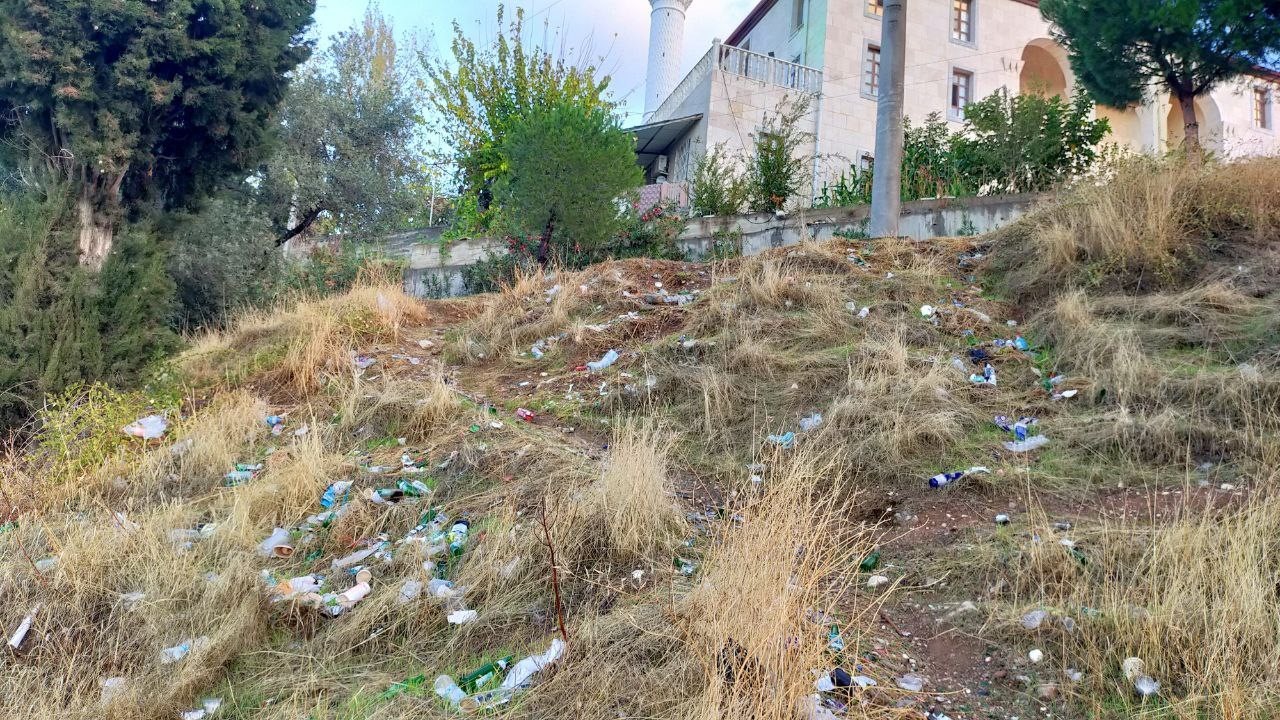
[(943, 479), (333, 493), (147, 428), (811, 423), (1035, 442), (609, 358), (15, 640), (786, 440)]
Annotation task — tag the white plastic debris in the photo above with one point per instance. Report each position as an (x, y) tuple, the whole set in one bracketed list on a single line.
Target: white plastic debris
[(927, 311), (864, 312), (523, 672), (276, 544), (462, 617), (609, 358), (293, 587), (1065, 394), (811, 423), (447, 688), (15, 640), (173, 654), (410, 591), (1034, 619), (111, 688), (208, 707), (147, 428), (911, 682), (1036, 655), (1146, 686), (876, 581), (1035, 442)]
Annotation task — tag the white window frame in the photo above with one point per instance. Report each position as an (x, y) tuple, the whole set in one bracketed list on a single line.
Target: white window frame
[(867, 45), (866, 9), (953, 113), (1268, 114), (953, 16), (799, 15)]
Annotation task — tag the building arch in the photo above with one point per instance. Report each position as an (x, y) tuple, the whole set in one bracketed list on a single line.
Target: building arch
[(1045, 69), (1209, 117)]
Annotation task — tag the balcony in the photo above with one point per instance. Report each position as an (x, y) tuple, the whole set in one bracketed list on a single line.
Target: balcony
[(740, 63)]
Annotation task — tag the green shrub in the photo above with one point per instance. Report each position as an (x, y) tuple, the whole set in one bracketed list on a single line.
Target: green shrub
[(718, 186)]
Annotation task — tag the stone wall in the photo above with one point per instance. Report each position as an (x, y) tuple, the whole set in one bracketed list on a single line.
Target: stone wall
[(431, 271)]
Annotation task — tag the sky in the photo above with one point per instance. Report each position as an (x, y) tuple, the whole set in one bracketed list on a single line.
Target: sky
[(615, 29)]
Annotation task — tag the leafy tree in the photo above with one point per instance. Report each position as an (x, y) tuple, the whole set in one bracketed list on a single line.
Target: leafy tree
[(1029, 142), (777, 169), (1119, 50), (479, 96), (717, 188), (142, 103), (568, 166), (61, 323), (348, 153)]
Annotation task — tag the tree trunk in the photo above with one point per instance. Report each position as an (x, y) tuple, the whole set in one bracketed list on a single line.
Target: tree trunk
[(96, 230), (1190, 126), (544, 243), (307, 219)]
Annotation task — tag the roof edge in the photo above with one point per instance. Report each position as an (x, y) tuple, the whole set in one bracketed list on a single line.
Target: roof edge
[(749, 22)]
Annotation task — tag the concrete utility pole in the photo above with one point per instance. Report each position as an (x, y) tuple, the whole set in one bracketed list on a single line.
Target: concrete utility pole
[(886, 182)]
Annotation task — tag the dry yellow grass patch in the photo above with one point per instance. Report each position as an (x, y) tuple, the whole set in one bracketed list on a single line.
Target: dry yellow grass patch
[(750, 618)]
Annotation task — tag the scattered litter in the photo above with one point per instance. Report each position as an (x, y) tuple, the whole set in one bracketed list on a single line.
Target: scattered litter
[(208, 707), (911, 682), (334, 492), (111, 688), (424, 344), (988, 376), (275, 423), (525, 414), (293, 587), (1074, 675), (876, 581), (337, 604), (609, 358), (811, 423), (927, 311), (20, 634), (363, 362), (173, 654), (786, 440), (410, 591), (44, 565), (1034, 619), (302, 430), (1002, 519), (943, 479), (1146, 686), (1065, 394), (523, 672), (276, 544), (147, 428), (1035, 655), (1034, 442), (462, 617)]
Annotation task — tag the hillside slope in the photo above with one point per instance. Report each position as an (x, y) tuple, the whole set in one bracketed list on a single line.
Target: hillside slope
[(739, 505)]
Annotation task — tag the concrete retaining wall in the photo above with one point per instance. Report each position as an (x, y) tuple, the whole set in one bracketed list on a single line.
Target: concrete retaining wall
[(432, 273)]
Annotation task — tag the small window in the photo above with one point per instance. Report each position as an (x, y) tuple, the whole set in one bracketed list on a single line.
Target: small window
[(961, 91), (1262, 108), (797, 14), (962, 21), (874, 8), (866, 162), (871, 71)]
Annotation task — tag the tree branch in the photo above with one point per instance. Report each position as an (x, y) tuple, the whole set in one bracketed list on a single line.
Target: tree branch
[(302, 226)]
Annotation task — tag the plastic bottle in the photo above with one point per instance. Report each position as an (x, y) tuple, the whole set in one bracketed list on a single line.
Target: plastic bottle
[(448, 689), (943, 479), (609, 358), (458, 535), (482, 675), (333, 493), (1020, 430)]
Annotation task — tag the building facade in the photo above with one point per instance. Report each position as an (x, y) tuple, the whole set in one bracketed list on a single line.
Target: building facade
[(826, 53)]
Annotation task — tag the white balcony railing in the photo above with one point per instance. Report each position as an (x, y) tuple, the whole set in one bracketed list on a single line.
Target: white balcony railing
[(771, 70), (743, 63)]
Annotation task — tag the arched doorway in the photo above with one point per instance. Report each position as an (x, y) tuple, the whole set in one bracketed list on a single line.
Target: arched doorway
[(1210, 125), (1126, 127), (1044, 69)]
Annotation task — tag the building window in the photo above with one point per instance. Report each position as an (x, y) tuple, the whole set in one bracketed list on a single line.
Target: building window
[(961, 91), (962, 21), (866, 162), (797, 14), (874, 8), (871, 71), (1262, 108)]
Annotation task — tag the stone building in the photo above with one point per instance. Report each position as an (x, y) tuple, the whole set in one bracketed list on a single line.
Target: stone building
[(827, 53)]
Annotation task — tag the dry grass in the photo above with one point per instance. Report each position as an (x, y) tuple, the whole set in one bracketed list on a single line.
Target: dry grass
[(1152, 225), (1194, 598), (750, 617), (630, 513)]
